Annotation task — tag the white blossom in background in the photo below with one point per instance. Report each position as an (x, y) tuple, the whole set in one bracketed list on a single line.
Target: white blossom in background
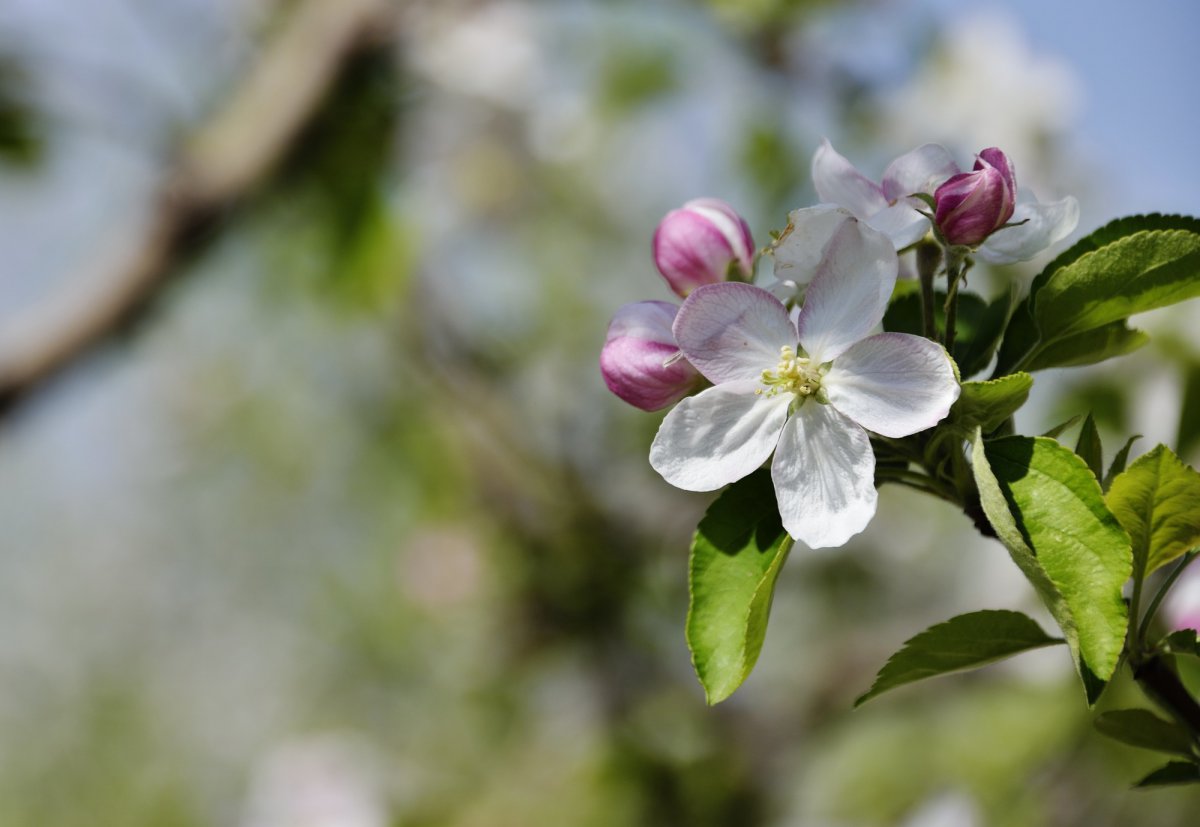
[(985, 86), (329, 780)]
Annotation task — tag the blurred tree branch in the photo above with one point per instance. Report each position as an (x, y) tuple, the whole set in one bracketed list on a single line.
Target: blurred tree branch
[(227, 160)]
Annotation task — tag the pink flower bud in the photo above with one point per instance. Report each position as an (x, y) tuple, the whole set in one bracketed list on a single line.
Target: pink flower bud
[(640, 361), (696, 244), (973, 205)]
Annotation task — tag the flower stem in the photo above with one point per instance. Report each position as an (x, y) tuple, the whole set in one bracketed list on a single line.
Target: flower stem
[(957, 265), (929, 258)]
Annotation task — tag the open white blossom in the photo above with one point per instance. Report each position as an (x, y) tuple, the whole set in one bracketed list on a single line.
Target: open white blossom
[(807, 392)]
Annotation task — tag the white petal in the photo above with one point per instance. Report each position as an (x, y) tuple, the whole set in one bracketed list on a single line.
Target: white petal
[(851, 290), (718, 436), (893, 384), (733, 331), (838, 182), (798, 251), (1047, 224), (824, 474), (901, 223), (921, 170)]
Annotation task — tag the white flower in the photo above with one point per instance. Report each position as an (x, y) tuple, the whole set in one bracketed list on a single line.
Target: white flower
[(888, 208), (807, 392)]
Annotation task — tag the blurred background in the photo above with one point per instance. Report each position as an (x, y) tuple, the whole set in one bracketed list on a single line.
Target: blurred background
[(314, 510)]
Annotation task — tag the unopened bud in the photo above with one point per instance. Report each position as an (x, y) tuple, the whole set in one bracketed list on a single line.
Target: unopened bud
[(971, 206), (700, 242), (640, 361)]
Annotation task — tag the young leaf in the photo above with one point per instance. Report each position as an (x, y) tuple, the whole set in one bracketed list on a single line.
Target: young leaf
[(1175, 772), (737, 553), (1183, 642), (1060, 428), (1047, 509), (989, 403), (1157, 500), (1118, 463), (1142, 728), (964, 642), (1088, 447)]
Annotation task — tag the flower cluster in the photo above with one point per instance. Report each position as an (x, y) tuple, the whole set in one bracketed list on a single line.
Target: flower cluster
[(799, 374)]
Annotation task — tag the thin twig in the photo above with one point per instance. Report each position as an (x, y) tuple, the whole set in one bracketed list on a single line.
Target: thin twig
[(226, 161)]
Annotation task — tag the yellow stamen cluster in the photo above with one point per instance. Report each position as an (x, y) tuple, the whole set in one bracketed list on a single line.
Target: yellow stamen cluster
[(794, 374)]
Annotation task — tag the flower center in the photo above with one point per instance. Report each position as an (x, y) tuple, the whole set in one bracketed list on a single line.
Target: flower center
[(794, 374)]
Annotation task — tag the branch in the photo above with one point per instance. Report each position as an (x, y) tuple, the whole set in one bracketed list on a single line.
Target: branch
[(226, 161)]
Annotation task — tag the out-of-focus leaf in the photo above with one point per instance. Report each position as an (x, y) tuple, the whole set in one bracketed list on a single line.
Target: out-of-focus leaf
[(1047, 509), (1188, 437), (737, 553), (964, 642), (1142, 728), (770, 160), (20, 136), (634, 76), (1175, 772), (1157, 500)]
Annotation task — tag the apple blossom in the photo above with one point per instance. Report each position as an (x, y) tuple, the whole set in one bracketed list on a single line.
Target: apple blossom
[(640, 361), (887, 207), (1031, 228), (971, 206), (700, 243), (806, 392)]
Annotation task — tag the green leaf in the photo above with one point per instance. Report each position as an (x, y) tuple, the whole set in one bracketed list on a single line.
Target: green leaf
[(1047, 509), (1133, 274), (1118, 463), (1089, 347), (1142, 728), (1157, 500), (964, 642), (1129, 265), (989, 403), (737, 553), (1175, 772), (1183, 642), (1088, 447), (1061, 427)]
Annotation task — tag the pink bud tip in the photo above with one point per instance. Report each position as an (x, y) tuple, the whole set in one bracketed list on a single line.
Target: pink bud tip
[(697, 243)]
